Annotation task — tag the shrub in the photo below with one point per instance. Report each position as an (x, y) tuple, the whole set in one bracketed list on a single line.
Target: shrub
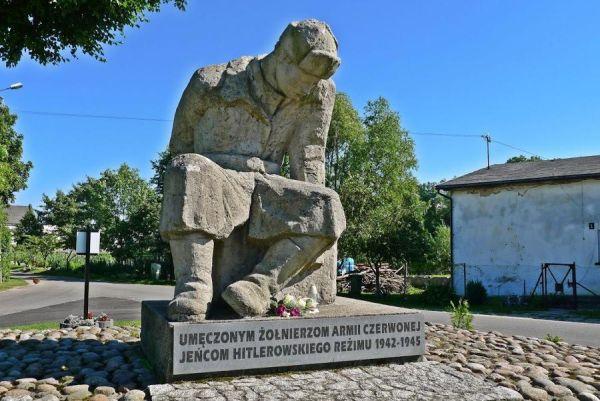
[(65, 261), (476, 293), (460, 315), (5, 267), (436, 294)]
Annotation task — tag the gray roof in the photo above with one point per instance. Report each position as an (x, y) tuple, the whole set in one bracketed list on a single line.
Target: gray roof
[(15, 213), (533, 171)]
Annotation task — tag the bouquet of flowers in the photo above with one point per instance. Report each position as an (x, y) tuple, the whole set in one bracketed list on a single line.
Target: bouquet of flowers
[(291, 306)]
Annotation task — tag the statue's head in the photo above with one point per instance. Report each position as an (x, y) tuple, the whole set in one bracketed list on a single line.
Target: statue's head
[(305, 53)]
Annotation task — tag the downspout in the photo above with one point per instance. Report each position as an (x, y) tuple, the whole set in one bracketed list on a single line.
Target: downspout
[(449, 197)]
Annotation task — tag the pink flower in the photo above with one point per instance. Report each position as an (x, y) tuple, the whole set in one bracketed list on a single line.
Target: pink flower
[(280, 310), (295, 312)]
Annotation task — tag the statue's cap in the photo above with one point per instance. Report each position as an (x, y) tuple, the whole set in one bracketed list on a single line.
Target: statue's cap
[(310, 44)]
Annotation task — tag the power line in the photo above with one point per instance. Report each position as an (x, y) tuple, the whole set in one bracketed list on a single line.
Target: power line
[(446, 135), (116, 117), (485, 137), (515, 148), (102, 116)]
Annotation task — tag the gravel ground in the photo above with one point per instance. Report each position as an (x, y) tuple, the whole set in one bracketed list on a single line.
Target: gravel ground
[(99, 365)]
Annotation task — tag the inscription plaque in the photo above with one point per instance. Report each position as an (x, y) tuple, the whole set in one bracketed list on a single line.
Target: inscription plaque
[(255, 344)]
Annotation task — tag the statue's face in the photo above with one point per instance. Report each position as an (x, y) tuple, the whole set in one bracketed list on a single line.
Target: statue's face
[(292, 81)]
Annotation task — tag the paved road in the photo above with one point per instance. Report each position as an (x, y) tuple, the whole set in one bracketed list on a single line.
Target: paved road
[(571, 332), (55, 298)]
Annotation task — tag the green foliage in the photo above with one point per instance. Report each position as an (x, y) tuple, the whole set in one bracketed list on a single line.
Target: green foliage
[(374, 174), (554, 339), (49, 29), (5, 233), (476, 292), (435, 294), (438, 252), (124, 206), (160, 166), (12, 283), (460, 315), (14, 172), (40, 248), (30, 225), (345, 130), (438, 207), (522, 158), (65, 261)]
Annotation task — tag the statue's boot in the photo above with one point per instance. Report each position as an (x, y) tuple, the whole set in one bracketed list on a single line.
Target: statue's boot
[(192, 259), (286, 258)]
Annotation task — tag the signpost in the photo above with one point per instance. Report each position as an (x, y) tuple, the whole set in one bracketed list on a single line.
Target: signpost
[(87, 243)]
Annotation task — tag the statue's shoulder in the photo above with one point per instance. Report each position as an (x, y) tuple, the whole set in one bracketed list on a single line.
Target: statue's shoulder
[(228, 79)]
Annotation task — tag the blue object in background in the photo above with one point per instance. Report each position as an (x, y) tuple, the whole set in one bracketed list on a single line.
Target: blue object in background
[(348, 263), (345, 265)]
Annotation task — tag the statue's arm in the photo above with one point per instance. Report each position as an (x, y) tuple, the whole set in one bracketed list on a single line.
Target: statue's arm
[(190, 108), (307, 146)]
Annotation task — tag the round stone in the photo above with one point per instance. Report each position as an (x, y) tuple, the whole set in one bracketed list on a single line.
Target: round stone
[(77, 388), (134, 395)]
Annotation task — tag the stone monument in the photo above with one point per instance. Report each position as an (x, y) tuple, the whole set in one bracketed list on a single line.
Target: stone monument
[(242, 234)]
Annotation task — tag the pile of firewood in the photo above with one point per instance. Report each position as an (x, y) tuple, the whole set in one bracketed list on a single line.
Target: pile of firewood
[(391, 281)]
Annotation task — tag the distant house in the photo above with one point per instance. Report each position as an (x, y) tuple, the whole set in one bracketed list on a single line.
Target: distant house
[(509, 219), (14, 214)]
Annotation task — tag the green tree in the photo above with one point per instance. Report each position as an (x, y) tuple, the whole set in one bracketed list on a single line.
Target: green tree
[(160, 165), (438, 207), (438, 254), (523, 158), (124, 206), (380, 194), (14, 172), (5, 247), (42, 246), (47, 30), (30, 225), (345, 129)]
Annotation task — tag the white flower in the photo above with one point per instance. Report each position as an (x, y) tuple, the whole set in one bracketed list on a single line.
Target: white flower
[(301, 304), (289, 301)]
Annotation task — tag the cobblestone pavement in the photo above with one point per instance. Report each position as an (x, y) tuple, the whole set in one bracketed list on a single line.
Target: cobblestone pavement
[(539, 369), (101, 365), (417, 381)]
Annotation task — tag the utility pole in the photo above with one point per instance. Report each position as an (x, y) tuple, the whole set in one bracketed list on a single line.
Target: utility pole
[(488, 139)]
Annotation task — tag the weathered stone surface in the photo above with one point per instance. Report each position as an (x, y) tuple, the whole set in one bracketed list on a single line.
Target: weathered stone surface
[(134, 395), (162, 340), (226, 211)]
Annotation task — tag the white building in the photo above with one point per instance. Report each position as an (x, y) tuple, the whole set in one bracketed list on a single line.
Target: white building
[(509, 219)]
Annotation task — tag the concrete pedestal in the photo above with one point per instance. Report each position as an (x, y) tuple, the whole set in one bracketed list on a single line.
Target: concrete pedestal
[(344, 333)]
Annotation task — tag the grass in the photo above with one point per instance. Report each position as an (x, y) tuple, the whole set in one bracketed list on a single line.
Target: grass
[(589, 314), (12, 283), (418, 298), (55, 325), (111, 278)]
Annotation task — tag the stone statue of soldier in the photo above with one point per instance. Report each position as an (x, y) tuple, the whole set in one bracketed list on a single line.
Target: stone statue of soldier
[(231, 219)]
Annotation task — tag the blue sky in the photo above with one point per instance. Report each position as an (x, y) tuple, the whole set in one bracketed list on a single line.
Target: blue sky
[(527, 73)]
